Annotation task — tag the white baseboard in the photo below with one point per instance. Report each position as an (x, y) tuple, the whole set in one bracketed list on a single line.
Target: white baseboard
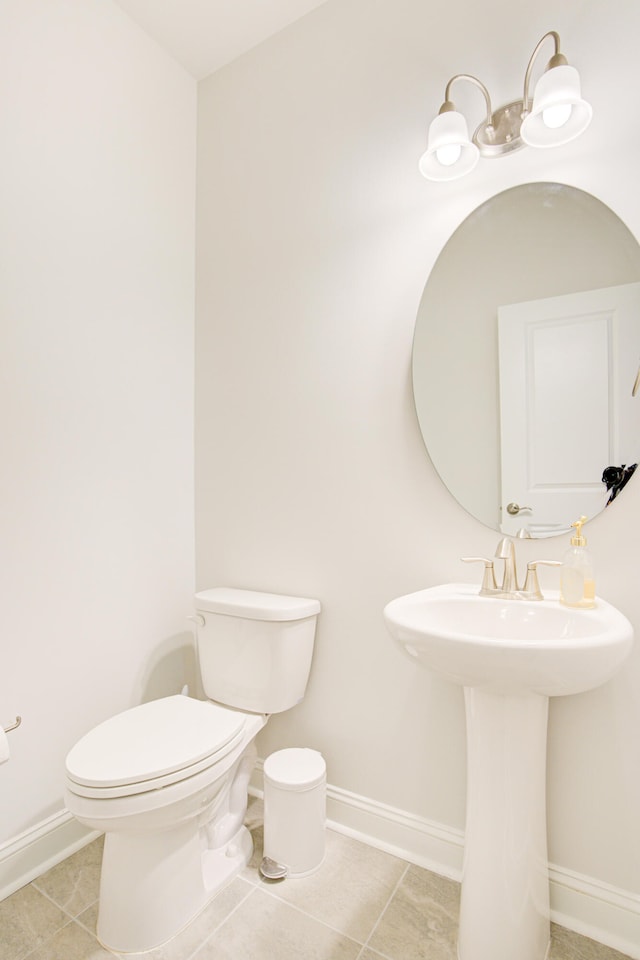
[(596, 909), (35, 851), (582, 904)]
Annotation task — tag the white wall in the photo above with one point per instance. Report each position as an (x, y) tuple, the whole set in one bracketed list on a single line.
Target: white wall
[(97, 185), (316, 235)]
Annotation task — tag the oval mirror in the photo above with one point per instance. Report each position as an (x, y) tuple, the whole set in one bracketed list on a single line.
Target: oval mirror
[(526, 359)]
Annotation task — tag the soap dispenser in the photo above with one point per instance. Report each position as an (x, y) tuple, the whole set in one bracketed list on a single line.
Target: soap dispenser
[(577, 579)]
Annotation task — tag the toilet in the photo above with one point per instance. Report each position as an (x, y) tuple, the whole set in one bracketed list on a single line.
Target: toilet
[(167, 781)]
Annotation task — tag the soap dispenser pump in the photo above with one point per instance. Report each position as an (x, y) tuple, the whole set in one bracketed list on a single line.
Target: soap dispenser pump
[(577, 579)]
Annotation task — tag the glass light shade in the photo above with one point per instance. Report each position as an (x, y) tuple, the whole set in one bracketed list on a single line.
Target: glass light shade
[(556, 97), (450, 153)]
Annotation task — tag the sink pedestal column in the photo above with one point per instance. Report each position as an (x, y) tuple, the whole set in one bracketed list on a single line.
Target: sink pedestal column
[(504, 908)]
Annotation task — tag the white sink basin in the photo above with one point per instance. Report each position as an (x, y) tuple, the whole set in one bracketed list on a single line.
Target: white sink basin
[(510, 646)]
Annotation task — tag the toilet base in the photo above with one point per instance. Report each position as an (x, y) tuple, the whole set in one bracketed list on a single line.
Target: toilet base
[(154, 885)]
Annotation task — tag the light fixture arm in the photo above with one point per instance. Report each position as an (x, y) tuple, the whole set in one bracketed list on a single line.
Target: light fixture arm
[(555, 115), (557, 60), (448, 103)]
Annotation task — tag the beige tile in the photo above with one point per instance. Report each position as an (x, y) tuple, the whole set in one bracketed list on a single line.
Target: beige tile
[(368, 954), (264, 928), (350, 889), (89, 918), (201, 927), (439, 889), (74, 884), (421, 922), (252, 872), (71, 943), (566, 945), (27, 918)]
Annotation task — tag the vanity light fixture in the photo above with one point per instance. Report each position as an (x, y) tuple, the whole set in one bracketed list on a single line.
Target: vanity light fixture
[(557, 115)]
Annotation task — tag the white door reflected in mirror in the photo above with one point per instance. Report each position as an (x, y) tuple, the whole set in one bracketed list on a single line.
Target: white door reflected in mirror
[(566, 367)]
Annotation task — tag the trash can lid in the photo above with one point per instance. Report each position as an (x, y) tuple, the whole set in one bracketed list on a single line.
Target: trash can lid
[(296, 768)]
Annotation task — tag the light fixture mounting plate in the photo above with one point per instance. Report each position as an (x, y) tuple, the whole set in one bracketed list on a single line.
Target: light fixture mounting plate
[(502, 135)]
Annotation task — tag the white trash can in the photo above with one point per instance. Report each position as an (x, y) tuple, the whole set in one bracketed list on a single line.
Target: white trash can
[(295, 783)]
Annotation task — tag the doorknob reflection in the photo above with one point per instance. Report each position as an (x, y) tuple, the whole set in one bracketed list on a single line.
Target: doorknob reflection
[(513, 509)]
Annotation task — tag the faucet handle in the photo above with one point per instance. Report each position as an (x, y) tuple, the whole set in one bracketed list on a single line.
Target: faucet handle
[(489, 584), (531, 586)]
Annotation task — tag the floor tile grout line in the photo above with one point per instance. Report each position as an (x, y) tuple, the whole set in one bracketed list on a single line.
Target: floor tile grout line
[(70, 916), (61, 906), (386, 906), (149, 953), (376, 953), (47, 940), (47, 896), (305, 913), (252, 889), (84, 925)]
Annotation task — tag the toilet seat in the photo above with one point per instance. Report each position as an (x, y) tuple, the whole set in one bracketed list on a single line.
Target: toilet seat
[(153, 745)]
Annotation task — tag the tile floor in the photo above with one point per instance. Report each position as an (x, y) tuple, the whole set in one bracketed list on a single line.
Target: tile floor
[(362, 904)]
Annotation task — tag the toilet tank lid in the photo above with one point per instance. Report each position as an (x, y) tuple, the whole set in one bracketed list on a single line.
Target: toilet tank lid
[(253, 605)]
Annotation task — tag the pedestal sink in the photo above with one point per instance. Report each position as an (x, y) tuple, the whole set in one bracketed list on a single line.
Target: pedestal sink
[(510, 656)]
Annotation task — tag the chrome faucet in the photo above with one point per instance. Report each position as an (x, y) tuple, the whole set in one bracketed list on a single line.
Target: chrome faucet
[(509, 589)]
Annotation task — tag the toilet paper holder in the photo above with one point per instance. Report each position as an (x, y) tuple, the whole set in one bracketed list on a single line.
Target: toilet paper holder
[(13, 726)]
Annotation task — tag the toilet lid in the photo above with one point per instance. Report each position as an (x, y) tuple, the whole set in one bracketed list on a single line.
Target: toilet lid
[(153, 740)]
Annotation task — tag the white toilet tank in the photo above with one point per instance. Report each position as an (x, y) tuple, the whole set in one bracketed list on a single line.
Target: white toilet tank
[(255, 648)]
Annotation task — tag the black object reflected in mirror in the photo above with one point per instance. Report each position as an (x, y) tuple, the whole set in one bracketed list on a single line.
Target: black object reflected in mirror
[(614, 478)]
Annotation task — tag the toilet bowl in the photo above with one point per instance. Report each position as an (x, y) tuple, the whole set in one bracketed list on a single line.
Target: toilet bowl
[(167, 780)]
